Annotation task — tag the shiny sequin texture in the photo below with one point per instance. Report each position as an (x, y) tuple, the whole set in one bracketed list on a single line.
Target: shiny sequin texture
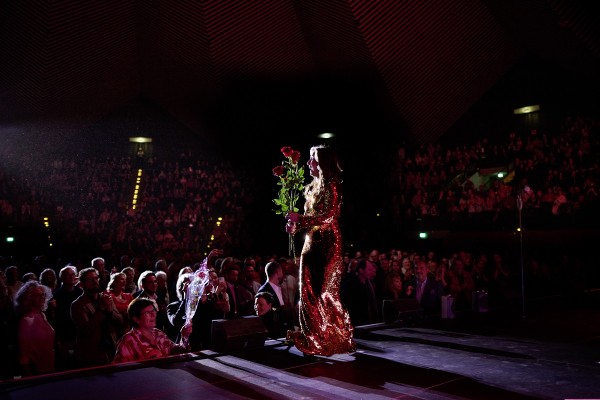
[(325, 326)]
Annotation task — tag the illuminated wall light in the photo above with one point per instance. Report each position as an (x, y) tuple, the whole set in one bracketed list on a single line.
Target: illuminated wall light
[(10, 239), (500, 175), (423, 235), (212, 237)]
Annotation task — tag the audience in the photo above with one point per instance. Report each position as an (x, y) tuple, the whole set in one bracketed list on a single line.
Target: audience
[(121, 299), (35, 334), (144, 341), (556, 178), (274, 319), (97, 322), (66, 333)]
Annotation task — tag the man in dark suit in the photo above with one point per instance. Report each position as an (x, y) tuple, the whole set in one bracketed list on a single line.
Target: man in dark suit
[(241, 300), (426, 289), (272, 285), (359, 294)]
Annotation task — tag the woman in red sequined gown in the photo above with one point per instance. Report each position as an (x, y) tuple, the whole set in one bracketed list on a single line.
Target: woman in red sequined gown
[(325, 326)]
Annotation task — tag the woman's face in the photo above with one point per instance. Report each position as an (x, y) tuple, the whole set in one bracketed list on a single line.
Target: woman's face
[(38, 298), (147, 318), (261, 306), (119, 282), (214, 278)]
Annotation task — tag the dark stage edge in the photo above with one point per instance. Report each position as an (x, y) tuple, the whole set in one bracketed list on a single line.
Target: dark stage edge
[(552, 354)]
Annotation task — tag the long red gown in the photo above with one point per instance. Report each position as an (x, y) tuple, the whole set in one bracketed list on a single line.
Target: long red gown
[(325, 326)]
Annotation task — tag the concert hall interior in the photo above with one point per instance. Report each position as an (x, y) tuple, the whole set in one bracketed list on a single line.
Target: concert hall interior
[(145, 135)]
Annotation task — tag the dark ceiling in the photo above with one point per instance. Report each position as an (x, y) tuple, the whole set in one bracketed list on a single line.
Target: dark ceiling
[(284, 70)]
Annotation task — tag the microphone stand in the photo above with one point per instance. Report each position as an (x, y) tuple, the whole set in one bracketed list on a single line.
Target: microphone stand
[(520, 210)]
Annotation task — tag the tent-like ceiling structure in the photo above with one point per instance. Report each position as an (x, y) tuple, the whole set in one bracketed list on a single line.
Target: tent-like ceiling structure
[(255, 69)]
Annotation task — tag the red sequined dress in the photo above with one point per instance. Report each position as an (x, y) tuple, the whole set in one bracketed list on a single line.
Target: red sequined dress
[(325, 326)]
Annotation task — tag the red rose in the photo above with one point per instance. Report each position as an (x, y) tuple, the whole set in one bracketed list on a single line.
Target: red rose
[(295, 156), (278, 170), (287, 151)]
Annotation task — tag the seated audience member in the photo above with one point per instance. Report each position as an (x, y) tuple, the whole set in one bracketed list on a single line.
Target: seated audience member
[(144, 341), (276, 322), (35, 334)]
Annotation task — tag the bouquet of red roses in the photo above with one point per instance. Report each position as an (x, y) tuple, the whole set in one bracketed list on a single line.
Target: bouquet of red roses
[(291, 182)]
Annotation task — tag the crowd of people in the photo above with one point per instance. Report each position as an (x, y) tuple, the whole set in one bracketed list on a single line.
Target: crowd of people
[(60, 314), (86, 321), (556, 174)]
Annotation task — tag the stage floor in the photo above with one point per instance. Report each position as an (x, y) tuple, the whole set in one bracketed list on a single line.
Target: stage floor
[(554, 354)]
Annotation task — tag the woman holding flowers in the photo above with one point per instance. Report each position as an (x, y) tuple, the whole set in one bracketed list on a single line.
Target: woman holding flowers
[(325, 326)]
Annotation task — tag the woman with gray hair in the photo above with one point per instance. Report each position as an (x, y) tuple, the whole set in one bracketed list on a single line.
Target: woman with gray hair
[(35, 335)]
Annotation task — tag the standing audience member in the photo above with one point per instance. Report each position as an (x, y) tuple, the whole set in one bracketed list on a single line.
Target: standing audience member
[(148, 284), (162, 299), (130, 285), (392, 289), (8, 332), (241, 302), (290, 291), (13, 283), (272, 285), (35, 334), (460, 285), (426, 289), (144, 341), (66, 333), (121, 299), (104, 275), (48, 278), (249, 275), (358, 294), (97, 321), (212, 304)]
